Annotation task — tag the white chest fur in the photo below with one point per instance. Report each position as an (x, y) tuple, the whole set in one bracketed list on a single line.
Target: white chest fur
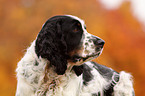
[(35, 79)]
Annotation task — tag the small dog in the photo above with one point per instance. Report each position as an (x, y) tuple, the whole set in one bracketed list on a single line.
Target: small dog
[(58, 64)]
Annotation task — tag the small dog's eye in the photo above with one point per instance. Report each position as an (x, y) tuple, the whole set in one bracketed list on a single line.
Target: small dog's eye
[(76, 30), (79, 24)]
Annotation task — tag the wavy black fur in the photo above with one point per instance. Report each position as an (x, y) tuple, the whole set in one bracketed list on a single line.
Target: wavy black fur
[(50, 44)]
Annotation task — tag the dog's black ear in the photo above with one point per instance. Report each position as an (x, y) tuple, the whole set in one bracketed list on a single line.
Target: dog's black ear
[(78, 70), (50, 44)]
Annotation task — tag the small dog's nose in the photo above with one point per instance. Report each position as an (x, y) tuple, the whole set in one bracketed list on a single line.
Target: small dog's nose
[(99, 43)]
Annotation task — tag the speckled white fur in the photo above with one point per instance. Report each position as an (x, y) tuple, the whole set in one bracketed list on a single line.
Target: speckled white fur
[(125, 85), (96, 85)]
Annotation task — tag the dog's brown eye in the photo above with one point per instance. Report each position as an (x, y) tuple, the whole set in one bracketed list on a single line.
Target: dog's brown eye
[(76, 30), (79, 24)]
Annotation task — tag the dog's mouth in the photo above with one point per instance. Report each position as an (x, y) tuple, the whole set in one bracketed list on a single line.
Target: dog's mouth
[(80, 60)]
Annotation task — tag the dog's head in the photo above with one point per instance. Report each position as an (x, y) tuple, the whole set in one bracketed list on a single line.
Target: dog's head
[(64, 39)]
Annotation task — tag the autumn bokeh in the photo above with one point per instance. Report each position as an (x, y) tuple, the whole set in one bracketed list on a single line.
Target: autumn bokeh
[(21, 20)]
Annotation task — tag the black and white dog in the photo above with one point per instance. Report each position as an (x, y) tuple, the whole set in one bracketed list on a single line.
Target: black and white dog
[(58, 64)]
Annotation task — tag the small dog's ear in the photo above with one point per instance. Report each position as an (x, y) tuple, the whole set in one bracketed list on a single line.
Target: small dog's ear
[(50, 44), (78, 70)]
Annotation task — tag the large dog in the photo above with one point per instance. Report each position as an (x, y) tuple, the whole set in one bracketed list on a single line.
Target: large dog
[(56, 64)]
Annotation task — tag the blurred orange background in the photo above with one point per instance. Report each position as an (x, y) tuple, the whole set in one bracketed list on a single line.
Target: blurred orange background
[(21, 20)]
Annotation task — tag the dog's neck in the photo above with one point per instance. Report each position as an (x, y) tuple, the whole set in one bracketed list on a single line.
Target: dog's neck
[(48, 80), (49, 71), (52, 81)]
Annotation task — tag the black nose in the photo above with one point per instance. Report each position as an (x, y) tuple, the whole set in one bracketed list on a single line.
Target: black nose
[(99, 43)]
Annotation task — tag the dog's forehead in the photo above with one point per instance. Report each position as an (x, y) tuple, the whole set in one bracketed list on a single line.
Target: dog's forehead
[(77, 18), (73, 17)]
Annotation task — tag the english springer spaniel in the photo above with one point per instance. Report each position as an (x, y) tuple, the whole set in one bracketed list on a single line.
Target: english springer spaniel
[(58, 64)]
